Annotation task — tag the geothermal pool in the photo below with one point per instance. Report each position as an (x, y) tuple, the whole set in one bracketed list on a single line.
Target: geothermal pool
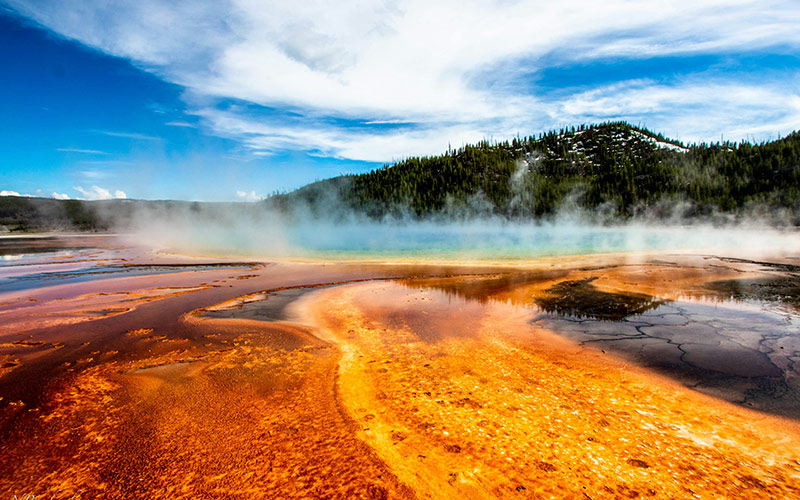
[(128, 373), (482, 240)]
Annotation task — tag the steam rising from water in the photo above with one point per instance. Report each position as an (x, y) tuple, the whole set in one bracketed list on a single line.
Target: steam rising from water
[(257, 232)]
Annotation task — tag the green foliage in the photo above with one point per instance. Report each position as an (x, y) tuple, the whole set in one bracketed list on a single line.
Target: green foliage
[(16, 212), (80, 216), (44, 214)]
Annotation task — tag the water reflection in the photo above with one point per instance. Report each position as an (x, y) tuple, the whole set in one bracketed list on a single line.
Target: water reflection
[(581, 299), (729, 338), (35, 280), (783, 291)]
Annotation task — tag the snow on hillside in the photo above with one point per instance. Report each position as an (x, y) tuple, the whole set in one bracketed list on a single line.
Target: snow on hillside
[(661, 144)]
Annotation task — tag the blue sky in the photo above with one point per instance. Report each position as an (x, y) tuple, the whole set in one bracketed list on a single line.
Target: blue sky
[(233, 100)]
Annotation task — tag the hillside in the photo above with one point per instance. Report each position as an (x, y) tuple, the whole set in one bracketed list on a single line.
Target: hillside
[(19, 213), (616, 168), (31, 214)]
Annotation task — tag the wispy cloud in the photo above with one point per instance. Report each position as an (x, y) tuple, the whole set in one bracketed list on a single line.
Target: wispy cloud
[(340, 142), (98, 193), (83, 151), (448, 71), (93, 174), (128, 135), (180, 124)]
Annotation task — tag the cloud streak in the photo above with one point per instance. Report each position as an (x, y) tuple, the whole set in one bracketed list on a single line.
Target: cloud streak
[(128, 135), (83, 151), (452, 71), (98, 193)]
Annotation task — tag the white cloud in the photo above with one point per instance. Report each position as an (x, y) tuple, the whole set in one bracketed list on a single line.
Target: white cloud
[(251, 196), (6, 192), (98, 193), (54, 195), (339, 142), (415, 60), (692, 111), (447, 68)]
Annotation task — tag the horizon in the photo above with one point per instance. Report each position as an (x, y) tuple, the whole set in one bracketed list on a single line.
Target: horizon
[(234, 102)]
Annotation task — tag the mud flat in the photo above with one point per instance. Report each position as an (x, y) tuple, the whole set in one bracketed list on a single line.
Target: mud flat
[(599, 377)]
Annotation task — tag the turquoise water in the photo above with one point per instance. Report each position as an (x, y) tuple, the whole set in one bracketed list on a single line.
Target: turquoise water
[(474, 240), (510, 241)]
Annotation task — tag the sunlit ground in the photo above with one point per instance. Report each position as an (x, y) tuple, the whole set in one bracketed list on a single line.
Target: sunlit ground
[(128, 374), (470, 400)]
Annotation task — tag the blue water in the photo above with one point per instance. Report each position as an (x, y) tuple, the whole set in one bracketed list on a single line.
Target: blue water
[(512, 241), (92, 273)]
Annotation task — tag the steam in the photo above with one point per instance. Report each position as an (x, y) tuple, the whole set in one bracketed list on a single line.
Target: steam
[(255, 230), (317, 223), (522, 197), (207, 229)]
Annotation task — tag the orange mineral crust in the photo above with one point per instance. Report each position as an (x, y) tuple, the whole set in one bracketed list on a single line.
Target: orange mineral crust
[(128, 374), (470, 401)]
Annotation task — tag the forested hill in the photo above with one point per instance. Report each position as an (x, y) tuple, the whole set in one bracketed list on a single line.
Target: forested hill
[(616, 168)]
